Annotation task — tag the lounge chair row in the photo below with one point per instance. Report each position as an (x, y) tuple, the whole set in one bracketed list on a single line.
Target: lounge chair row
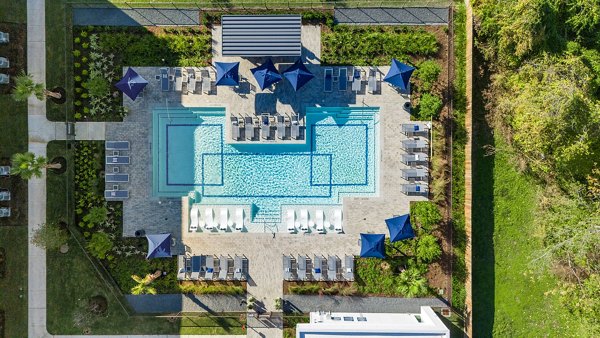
[(356, 76), (330, 269), (284, 127), (209, 267), (207, 221), (175, 79), (304, 223), (115, 160)]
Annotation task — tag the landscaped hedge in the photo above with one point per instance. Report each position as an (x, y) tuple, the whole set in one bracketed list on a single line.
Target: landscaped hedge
[(375, 45), (312, 17)]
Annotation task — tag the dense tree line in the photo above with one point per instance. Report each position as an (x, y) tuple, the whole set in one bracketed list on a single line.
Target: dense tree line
[(544, 98)]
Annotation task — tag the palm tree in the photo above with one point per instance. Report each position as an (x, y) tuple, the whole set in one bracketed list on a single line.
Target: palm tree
[(143, 284), (27, 165), (412, 283), (25, 87)]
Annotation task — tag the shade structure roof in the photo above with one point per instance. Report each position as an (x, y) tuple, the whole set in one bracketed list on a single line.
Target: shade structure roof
[(131, 84), (261, 35), (399, 74), (400, 228), (372, 245), (159, 246), (298, 75), (228, 73), (266, 74)]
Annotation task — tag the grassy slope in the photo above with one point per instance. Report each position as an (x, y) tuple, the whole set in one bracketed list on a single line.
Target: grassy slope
[(12, 239)]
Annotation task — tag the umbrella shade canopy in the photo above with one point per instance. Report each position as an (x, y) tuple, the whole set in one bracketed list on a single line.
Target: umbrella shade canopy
[(159, 246), (298, 75), (266, 74), (399, 74), (400, 228), (372, 245), (228, 73), (131, 84)]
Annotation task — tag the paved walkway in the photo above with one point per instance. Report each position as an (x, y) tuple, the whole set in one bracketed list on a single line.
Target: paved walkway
[(135, 17), (186, 303), (392, 16), (300, 303)]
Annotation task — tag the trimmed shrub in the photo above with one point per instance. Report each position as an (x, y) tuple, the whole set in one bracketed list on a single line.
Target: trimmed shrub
[(428, 72), (426, 214), (430, 106)]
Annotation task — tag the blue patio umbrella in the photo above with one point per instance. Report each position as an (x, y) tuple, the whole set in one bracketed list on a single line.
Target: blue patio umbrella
[(159, 246), (266, 74), (131, 84), (400, 228), (399, 74), (228, 73), (298, 75), (372, 245)]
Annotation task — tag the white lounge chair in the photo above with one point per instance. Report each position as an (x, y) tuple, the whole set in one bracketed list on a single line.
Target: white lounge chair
[(5, 212), (4, 37), (336, 220), (191, 86), (209, 219), (210, 267), (4, 195), (178, 79), (291, 221), (4, 170), (4, 63), (319, 221), (223, 219), (4, 79), (304, 220), (194, 218), (239, 219)]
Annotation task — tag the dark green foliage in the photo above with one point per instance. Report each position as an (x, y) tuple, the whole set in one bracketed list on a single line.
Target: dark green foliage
[(98, 86), (99, 245), (430, 106), (375, 45), (426, 215), (428, 248), (428, 72)]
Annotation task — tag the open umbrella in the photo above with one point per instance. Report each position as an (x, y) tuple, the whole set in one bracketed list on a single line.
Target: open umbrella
[(228, 73), (131, 84), (266, 74), (399, 75), (298, 75), (159, 246), (372, 245), (400, 228)]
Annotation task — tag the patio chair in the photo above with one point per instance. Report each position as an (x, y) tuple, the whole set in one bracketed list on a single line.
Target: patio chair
[(5, 212), (420, 128), (116, 195), (116, 145), (4, 63), (4, 171), (237, 268), (301, 267), (223, 219), (349, 268), (4, 37), (331, 268), (235, 128), (319, 218), (116, 178), (181, 269), (164, 79), (117, 160), (295, 127), (415, 189), (4, 79), (209, 218), (287, 267), (372, 81), (191, 86), (414, 144), (418, 174), (336, 220), (206, 81), (291, 221), (223, 267), (178, 79), (210, 267), (194, 217), (196, 267), (414, 158), (248, 128), (280, 126), (328, 80), (265, 126), (343, 79), (304, 220), (356, 80), (317, 267), (239, 219), (4, 195)]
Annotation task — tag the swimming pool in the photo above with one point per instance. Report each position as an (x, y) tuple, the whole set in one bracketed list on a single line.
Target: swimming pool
[(340, 158)]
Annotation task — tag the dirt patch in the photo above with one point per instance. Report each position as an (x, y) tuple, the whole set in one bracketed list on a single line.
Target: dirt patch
[(15, 51)]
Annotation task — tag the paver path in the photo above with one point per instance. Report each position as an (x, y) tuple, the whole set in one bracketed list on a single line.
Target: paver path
[(359, 304), (392, 16), (135, 17)]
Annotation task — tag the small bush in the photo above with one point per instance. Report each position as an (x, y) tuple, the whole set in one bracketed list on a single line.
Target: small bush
[(77, 103), (49, 236), (83, 34), (77, 65), (426, 214), (428, 248), (77, 78), (85, 45), (429, 106), (84, 60), (76, 53), (84, 72), (99, 245), (77, 40), (428, 72)]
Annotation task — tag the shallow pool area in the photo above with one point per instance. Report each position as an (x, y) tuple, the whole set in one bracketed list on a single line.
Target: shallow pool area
[(340, 158)]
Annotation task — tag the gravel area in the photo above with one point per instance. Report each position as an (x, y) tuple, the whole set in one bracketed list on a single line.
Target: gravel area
[(135, 17), (392, 16), (306, 304), (186, 303)]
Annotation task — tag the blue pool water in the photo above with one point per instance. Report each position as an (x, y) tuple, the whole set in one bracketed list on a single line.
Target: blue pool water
[(340, 158)]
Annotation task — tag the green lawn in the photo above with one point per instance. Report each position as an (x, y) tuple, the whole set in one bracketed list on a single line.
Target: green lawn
[(508, 301), (13, 11), (58, 18), (14, 285)]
